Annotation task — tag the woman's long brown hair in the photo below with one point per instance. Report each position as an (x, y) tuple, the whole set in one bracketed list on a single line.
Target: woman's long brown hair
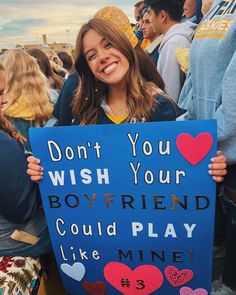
[(87, 101)]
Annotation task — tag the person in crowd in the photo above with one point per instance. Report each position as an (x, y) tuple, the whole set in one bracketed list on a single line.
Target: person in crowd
[(112, 89), (118, 18), (23, 229), (67, 62), (27, 91), (153, 37), (192, 11), (52, 55), (209, 93), (165, 17), (55, 81), (62, 110), (138, 8), (56, 63)]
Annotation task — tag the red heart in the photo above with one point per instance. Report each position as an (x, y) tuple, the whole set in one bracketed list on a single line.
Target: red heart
[(97, 288), (144, 279), (194, 149), (178, 277)]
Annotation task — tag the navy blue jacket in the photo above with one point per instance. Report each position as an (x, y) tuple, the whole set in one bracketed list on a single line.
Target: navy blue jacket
[(19, 196), (62, 110), (166, 110)]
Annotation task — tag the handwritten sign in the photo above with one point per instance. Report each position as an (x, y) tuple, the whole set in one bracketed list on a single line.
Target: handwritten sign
[(130, 207)]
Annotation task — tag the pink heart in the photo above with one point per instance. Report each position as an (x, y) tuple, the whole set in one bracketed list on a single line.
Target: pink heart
[(144, 279), (194, 149), (189, 291), (178, 277)]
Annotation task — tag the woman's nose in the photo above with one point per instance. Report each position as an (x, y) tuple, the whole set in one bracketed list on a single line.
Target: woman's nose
[(103, 55)]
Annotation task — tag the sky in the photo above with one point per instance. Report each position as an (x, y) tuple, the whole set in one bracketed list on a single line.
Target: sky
[(24, 21)]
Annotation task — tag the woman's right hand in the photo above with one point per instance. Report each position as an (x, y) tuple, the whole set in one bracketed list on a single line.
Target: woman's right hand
[(35, 171)]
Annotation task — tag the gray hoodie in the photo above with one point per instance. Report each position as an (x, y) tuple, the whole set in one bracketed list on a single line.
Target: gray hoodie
[(179, 35)]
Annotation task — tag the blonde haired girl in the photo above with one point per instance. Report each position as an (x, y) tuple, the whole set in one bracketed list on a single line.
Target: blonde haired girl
[(27, 91), (5, 125), (20, 204)]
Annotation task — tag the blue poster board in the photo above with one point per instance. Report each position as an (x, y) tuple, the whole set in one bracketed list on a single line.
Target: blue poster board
[(130, 207)]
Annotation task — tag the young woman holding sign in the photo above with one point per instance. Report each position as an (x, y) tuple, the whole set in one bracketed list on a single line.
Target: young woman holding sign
[(112, 89)]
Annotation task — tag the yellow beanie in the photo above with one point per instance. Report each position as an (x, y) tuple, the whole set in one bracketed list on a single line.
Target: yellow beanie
[(119, 19)]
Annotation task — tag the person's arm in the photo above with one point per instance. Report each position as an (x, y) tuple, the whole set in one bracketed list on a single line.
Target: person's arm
[(225, 114), (186, 97), (169, 70), (20, 197)]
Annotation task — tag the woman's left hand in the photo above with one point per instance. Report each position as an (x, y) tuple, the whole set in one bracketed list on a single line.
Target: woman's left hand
[(218, 167)]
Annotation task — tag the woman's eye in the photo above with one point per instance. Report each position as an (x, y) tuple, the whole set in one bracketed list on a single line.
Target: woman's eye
[(108, 45), (91, 56)]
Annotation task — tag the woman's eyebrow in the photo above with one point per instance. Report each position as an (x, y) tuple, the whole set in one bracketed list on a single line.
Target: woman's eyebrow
[(90, 49)]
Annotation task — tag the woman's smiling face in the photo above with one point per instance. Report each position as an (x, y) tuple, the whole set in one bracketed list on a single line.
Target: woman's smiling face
[(107, 63)]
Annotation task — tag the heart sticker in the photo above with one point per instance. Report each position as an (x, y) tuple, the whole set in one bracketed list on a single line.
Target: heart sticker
[(178, 277), (189, 291), (76, 271), (144, 279), (97, 288), (194, 149)]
